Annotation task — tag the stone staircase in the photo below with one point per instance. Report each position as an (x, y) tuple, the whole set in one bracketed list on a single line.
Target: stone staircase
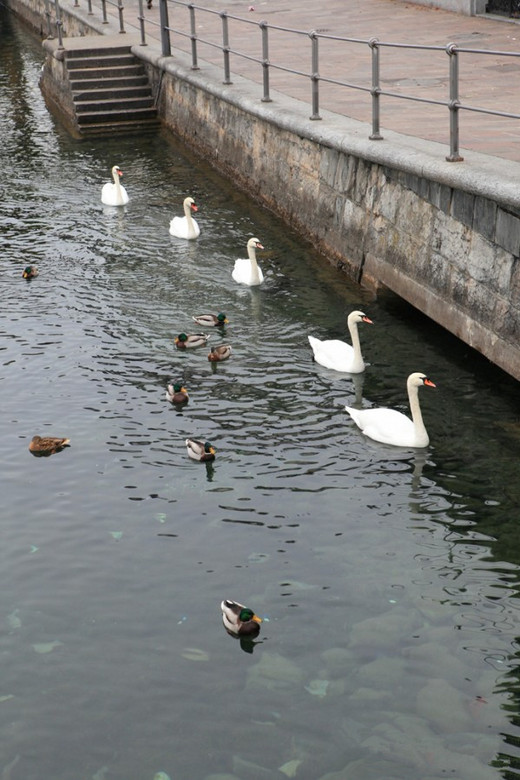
[(110, 91)]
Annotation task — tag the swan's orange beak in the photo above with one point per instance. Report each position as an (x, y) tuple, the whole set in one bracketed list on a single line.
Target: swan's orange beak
[(429, 382), (366, 319), (194, 207), (120, 173), (259, 246)]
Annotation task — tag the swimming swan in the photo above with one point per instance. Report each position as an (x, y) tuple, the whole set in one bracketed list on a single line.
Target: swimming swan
[(392, 427), (185, 227), (337, 354), (114, 194), (246, 270)]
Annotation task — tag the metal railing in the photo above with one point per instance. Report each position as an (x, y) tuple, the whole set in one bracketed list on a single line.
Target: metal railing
[(186, 29)]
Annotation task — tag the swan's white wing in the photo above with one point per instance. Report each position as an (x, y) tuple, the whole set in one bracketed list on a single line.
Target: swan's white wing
[(385, 425), (243, 272), (180, 228), (110, 196), (333, 354)]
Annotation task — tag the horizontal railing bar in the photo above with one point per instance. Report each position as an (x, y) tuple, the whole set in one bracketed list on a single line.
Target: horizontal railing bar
[(415, 98), (495, 52), (478, 110)]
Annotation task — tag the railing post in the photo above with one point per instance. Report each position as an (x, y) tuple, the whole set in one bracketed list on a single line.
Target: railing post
[(375, 91), (141, 23), (89, 7), (165, 28), (454, 156), (76, 3), (193, 37), (265, 61), (315, 77), (120, 8), (48, 16), (104, 10), (225, 47), (59, 24)]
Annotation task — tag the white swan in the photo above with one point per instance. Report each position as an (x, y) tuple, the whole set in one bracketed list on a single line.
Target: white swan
[(246, 270), (337, 354), (185, 227), (392, 427), (114, 194)]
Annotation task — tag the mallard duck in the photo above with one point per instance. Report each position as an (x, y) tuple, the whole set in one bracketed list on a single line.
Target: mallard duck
[(113, 193), (177, 394), (246, 270), (210, 320), (222, 352), (239, 620), (47, 445), (186, 226), (30, 271), (191, 340), (200, 450), (338, 355)]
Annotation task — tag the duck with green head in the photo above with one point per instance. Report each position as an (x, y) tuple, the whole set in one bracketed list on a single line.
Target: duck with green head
[(176, 393), (211, 320), (200, 450), (238, 619), (30, 271), (191, 340)]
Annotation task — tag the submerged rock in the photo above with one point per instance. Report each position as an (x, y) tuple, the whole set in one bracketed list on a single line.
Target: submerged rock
[(318, 687), (248, 770), (290, 767), (275, 672), (46, 647), (384, 633), (444, 707)]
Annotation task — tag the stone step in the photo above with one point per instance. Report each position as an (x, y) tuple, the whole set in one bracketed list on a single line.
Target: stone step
[(115, 115), (109, 83), (119, 93), (100, 51), (104, 61), (101, 106), (111, 72), (127, 127)]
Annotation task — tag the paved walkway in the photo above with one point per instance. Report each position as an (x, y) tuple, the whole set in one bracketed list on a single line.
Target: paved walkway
[(485, 81)]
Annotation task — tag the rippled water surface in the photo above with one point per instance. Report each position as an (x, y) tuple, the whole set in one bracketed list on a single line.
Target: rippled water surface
[(388, 577)]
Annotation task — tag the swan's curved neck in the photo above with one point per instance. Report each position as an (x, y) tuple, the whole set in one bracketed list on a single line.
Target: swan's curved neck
[(187, 212), (356, 346), (251, 251), (117, 183), (415, 409)]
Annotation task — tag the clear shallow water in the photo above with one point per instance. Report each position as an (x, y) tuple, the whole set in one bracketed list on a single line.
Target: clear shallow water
[(389, 577)]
